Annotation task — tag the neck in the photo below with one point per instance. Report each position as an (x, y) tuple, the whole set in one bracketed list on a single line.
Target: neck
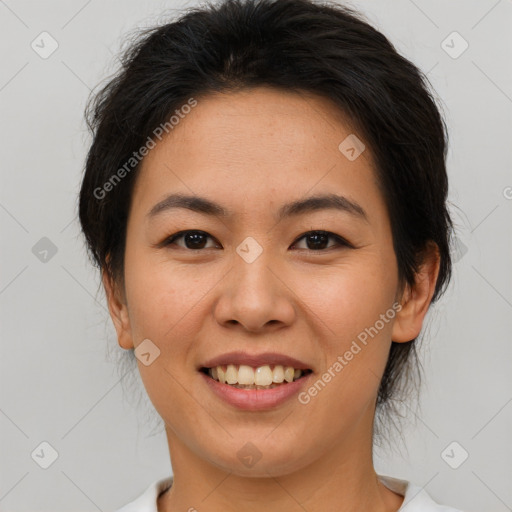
[(341, 478)]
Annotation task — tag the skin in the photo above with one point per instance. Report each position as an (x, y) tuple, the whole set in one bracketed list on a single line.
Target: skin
[(252, 151)]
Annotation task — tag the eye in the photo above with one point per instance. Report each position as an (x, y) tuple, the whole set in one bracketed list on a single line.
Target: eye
[(193, 239), (319, 239)]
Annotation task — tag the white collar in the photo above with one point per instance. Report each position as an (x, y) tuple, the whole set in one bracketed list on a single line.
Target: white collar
[(415, 498)]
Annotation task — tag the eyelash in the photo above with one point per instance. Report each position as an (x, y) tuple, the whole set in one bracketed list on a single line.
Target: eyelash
[(341, 241)]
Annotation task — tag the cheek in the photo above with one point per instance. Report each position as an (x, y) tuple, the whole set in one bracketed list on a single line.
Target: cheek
[(354, 307), (159, 293), (164, 308), (350, 296)]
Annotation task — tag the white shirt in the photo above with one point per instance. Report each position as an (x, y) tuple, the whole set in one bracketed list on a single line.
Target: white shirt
[(415, 498)]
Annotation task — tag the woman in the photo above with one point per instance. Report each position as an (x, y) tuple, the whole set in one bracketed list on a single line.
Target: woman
[(265, 196)]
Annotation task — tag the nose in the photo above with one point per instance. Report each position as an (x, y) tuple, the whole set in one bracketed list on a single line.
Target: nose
[(255, 296)]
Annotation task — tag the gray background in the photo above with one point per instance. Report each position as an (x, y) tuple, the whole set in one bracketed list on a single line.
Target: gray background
[(59, 379)]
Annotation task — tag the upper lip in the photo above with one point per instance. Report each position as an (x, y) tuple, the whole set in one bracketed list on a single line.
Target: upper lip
[(255, 360)]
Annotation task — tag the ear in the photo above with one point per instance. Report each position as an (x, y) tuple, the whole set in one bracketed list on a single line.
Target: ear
[(118, 311), (416, 298)]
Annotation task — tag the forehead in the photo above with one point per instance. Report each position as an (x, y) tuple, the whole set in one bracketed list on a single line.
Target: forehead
[(240, 122), (249, 147)]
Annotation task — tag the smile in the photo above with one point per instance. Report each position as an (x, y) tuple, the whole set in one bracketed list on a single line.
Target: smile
[(239, 385)]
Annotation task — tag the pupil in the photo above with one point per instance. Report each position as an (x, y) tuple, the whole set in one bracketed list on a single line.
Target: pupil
[(319, 239), (195, 239)]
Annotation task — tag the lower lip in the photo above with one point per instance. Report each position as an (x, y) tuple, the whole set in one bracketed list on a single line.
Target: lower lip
[(256, 399)]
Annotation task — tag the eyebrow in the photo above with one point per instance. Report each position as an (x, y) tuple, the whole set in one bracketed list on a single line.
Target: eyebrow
[(295, 208)]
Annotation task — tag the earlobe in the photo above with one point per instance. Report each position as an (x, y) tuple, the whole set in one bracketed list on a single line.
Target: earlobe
[(417, 297), (118, 311)]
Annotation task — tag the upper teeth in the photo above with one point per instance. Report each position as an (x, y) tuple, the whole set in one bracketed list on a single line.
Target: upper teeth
[(260, 376)]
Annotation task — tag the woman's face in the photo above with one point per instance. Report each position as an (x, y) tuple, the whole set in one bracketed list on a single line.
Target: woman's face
[(251, 282)]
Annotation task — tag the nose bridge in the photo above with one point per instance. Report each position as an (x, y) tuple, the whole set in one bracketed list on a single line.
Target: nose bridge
[(252, 275), (254, 295), (252, 266)]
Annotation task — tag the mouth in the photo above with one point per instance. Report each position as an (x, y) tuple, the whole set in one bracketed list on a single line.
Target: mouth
[(261, 377)]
